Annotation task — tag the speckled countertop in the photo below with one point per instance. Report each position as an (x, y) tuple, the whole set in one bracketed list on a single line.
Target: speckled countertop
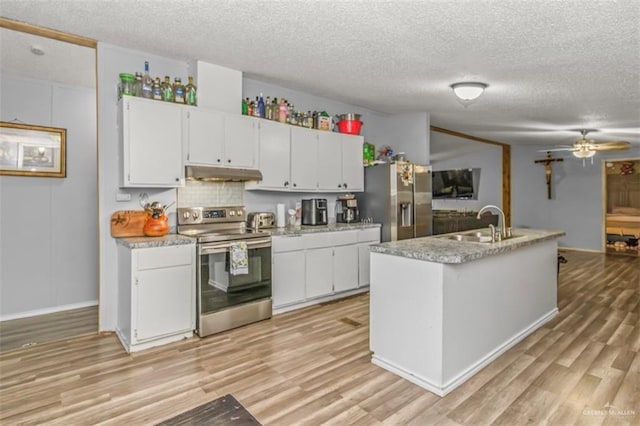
[(146, 242), (322, 228), (440, 249)]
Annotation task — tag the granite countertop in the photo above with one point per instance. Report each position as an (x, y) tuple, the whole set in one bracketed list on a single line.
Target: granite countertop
[(146, 242), (335, 227), (443, 250)]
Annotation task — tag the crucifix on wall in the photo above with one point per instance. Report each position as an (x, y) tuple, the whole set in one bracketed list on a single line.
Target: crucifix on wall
[(547, 170)]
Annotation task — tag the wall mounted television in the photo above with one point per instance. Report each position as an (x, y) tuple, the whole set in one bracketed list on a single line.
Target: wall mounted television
[(461, 184)]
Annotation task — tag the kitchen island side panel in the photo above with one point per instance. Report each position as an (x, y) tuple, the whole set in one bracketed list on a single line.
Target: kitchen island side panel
[(492, 303), (406, 316)]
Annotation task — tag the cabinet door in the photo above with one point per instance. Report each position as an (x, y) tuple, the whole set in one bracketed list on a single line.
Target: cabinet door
[(319, 272), (205, 137), (240, 141), (345, 268), (164, 302), (288, 278), (304, 159), (329, 161), (363, 264), (273, 158), (352, 168), (152, 143)]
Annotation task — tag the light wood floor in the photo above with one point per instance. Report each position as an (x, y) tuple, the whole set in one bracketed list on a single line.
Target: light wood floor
[(313, 367), (31, 331)]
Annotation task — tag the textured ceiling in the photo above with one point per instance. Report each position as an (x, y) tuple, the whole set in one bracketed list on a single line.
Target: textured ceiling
[(551, 66)]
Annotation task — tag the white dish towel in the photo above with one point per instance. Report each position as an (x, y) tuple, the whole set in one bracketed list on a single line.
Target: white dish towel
[(239, 262)]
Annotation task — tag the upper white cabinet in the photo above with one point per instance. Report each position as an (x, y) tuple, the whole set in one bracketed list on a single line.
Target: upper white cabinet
[(273, 154), (151, 144), (330, 161), (352, 166), (305, 160), (213, 138)]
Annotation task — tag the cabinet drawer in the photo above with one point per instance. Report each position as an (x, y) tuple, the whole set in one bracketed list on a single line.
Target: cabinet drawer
[(371, 234), (343, 238), (164, 257), (319, 240), (287, 243)]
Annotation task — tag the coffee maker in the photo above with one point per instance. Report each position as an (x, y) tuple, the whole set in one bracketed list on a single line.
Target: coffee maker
[(314, 211), (347, 209)]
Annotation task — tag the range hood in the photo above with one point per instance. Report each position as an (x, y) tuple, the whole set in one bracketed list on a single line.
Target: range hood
[(221, 174)]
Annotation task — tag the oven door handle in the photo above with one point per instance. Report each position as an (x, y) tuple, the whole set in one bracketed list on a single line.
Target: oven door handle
[(224, 247)]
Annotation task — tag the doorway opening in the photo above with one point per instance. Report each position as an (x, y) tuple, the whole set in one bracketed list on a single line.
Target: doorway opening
[(49, 270), (621, 197)]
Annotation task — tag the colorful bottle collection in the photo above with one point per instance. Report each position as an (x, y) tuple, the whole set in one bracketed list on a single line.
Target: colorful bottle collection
[(285, 112), (144, 86)]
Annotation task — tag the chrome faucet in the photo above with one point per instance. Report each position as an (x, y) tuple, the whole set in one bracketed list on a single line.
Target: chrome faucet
[(504, 231)]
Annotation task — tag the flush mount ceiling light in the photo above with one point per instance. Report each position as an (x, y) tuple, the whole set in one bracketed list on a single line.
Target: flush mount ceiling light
[(468, 91)]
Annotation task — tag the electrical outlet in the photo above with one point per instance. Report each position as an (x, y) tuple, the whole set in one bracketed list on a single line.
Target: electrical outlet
[(123, 196)]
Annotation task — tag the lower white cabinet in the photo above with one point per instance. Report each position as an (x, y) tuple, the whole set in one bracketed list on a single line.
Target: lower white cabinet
[(315, 267), (318, 280), (366, 237), (288, 272), (156, 295)]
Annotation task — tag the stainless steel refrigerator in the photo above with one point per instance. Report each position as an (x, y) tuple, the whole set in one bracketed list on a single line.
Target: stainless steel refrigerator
[(398, 195)]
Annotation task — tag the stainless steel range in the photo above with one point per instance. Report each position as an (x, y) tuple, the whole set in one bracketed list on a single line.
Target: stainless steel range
[(233, 268)]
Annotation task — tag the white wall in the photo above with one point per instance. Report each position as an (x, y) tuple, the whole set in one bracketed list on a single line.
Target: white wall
[(576, 206), (112, 61), (452, 152), (48, 226)]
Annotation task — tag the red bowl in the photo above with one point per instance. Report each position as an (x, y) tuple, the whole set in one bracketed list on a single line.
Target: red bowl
[(351, 127)]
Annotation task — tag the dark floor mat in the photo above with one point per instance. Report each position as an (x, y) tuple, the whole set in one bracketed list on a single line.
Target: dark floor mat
[(225, 410)]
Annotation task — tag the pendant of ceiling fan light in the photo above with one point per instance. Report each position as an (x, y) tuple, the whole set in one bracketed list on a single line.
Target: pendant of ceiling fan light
[(584, 152)]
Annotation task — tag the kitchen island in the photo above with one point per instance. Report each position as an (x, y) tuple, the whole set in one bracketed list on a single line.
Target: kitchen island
[(442, 309)]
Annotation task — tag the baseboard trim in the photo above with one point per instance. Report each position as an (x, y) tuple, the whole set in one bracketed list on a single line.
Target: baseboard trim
[(580, 249), (443, 389), (322, 299), (51, 310)]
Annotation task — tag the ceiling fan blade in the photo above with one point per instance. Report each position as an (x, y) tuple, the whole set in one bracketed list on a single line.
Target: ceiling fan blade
[(566, 148), (611, 146)]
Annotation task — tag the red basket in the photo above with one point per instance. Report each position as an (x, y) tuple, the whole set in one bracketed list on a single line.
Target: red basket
[(351, 127)]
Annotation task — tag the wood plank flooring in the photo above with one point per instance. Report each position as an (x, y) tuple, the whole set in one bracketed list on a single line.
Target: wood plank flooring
[(313, 367), (30, 331)]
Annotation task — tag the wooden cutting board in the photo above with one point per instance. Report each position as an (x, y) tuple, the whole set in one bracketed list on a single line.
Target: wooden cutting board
[(128, 223)]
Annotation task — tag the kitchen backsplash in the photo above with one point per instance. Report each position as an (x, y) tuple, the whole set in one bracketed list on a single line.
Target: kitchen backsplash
[(211, 194)]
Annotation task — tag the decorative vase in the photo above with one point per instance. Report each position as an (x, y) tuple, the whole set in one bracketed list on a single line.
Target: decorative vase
[(156, 226)]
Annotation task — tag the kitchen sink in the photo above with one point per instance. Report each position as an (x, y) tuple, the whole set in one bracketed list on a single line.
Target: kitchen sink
[(475, 237)]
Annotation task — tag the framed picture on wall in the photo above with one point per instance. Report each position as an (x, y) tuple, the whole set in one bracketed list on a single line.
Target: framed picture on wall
[(28, 150)]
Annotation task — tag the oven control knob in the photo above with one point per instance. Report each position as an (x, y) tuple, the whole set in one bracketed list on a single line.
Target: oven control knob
[(186, 215), (232, 213), (195, 215), (239, 212)]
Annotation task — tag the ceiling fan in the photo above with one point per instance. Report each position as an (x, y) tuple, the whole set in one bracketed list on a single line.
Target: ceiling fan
[(587, 148)]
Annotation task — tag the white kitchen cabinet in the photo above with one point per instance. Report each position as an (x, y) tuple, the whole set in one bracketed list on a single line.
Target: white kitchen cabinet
[(288, 272), (156, 295), (204, 137), (217, 139), (304, 159), (340, 162), (241, 141), (352, 166), (330, 161), (366, 237), (316, 267), (151, 144), (318, 276), (274, 157), (345, 268)]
